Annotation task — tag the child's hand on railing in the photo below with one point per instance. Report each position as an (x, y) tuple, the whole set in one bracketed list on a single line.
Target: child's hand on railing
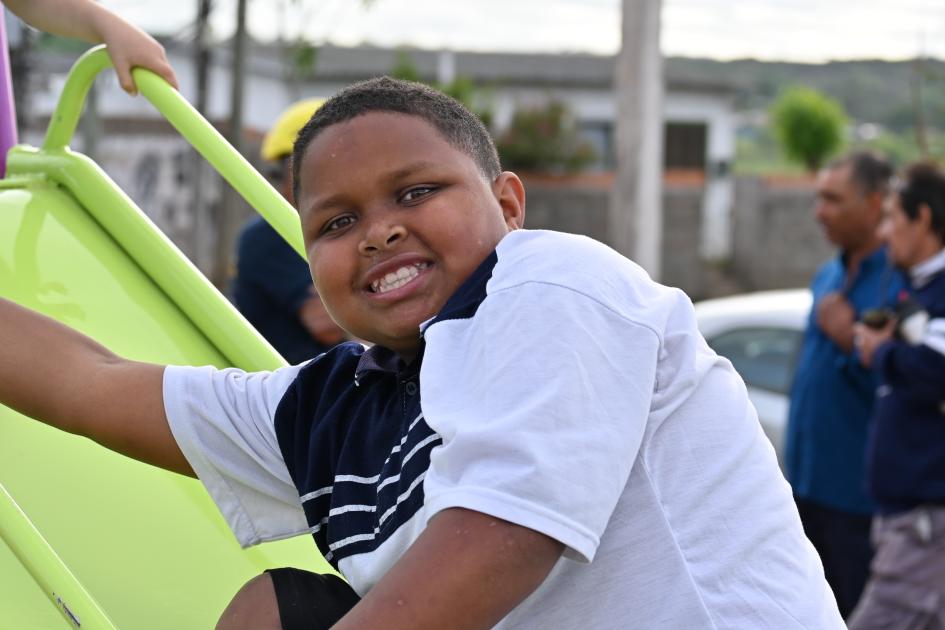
[(128, 46)]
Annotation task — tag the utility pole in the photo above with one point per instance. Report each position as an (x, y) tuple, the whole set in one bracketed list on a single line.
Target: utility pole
[(203, 228), (636, 216), (227, 225)]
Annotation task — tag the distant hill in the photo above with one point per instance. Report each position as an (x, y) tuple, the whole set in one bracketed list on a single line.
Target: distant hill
[(870, 90)]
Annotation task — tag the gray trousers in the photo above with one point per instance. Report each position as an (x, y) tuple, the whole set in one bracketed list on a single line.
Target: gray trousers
[(906, 588)]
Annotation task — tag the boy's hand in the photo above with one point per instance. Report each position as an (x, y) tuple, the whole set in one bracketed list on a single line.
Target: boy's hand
[(467, 570)]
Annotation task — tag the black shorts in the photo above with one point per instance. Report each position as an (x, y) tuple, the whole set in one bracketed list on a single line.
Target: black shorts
[(310, 601)]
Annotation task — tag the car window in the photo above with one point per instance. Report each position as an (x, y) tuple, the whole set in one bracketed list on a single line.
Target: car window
[(764, 357)]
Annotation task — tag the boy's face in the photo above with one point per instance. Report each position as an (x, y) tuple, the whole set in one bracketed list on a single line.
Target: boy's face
[(394, 220)]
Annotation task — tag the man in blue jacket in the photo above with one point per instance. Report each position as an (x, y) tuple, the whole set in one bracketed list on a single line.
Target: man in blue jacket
[(832, 395), (906, 454)]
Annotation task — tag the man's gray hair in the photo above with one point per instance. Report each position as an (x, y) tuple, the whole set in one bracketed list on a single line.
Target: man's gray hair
[(869, 171)]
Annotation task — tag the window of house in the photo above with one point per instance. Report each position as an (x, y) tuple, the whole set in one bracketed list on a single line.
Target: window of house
[(684, 146), (599, 135)]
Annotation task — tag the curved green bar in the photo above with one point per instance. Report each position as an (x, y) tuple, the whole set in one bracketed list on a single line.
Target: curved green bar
[(201, 134), (147, 545)]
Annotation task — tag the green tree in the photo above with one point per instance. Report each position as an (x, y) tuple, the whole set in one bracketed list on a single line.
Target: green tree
[(405, 68), (809, 125), (461, 88), (544, 139)]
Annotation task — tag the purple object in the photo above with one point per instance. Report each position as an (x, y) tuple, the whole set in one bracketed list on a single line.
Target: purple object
[(7, 109)]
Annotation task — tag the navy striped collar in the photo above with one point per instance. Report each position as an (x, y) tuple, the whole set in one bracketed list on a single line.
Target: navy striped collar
[(468, 296), (462, 304)]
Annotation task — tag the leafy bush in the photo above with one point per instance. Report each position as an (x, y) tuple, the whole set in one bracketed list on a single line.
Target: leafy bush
[(461, 88), (809, 125), (543, 139)]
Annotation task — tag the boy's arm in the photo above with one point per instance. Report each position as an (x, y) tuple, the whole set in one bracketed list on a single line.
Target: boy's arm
[(63, 378), (467, 570), (128, 46)]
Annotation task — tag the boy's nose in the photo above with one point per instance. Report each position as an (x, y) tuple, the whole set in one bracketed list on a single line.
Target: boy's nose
[(381, 236)]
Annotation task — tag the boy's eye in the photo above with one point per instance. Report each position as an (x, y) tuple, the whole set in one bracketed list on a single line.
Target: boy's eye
[(338, 223), (416, 194)]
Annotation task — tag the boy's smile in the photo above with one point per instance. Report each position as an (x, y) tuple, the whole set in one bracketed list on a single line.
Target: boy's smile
[(395, 219)]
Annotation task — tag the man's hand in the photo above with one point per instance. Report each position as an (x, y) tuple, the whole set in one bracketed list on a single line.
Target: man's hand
[(319, 323), (835, 317), (466, 571), (868, 339)]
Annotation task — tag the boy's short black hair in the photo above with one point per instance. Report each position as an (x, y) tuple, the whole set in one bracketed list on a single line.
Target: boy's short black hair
[(460, 127), (924, 183)]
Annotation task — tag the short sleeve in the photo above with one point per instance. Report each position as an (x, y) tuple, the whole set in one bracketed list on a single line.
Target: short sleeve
[(223, 422), (542, 399)]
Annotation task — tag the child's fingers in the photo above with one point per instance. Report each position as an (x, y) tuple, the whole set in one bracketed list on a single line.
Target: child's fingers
[(123, 70), (165, 71)]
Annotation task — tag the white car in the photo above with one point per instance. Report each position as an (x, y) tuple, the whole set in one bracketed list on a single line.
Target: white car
[(760, 333)]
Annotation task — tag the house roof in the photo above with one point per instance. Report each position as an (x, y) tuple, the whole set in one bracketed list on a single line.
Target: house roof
[(345, 65), (348, 64)]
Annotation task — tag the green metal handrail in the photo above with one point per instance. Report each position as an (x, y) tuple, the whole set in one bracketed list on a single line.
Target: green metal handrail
[(59, 584), (201, 134)]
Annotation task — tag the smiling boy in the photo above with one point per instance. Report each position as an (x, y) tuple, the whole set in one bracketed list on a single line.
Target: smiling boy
[(580, 458)]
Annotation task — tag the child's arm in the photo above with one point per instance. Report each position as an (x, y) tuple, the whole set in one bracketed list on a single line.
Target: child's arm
[(60, 377), (128, 46), (466, 570)]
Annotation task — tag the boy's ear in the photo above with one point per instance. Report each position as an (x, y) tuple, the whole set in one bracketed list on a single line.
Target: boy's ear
[(510, 193)]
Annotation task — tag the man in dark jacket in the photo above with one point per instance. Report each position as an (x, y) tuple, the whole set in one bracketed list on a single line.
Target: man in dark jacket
[(906, 452)]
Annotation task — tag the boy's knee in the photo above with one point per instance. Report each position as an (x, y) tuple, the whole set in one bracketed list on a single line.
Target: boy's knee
[(254, 607)]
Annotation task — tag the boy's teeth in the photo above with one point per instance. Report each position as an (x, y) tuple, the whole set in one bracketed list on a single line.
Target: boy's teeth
[(397, 279)]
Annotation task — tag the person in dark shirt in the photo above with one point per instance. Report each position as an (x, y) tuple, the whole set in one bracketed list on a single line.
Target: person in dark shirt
[(832, 394), (273, 287), (906, 454)]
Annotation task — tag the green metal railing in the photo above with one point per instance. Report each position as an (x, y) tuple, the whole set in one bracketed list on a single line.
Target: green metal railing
[(199, 300)]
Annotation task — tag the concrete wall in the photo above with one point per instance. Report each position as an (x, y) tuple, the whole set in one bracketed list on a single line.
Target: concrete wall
[(777, 242)]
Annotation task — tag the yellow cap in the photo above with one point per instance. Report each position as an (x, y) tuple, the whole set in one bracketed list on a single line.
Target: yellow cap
[(280, 139)]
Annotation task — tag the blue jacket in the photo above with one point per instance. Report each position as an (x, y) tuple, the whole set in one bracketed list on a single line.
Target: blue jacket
[(907, 442), (832, 394)]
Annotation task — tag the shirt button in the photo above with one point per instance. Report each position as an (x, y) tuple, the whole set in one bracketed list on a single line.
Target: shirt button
[(410, 388)]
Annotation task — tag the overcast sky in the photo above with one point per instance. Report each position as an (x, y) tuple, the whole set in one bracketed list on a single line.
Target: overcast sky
[(792, 30)]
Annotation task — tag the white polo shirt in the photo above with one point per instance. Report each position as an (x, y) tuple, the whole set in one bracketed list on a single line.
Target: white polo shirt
[(559, 389)]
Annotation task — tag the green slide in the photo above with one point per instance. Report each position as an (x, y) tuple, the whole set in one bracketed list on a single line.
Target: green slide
[(90, 539)]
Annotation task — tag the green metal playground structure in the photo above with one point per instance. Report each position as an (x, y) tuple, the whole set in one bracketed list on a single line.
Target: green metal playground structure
[(91, 539)]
